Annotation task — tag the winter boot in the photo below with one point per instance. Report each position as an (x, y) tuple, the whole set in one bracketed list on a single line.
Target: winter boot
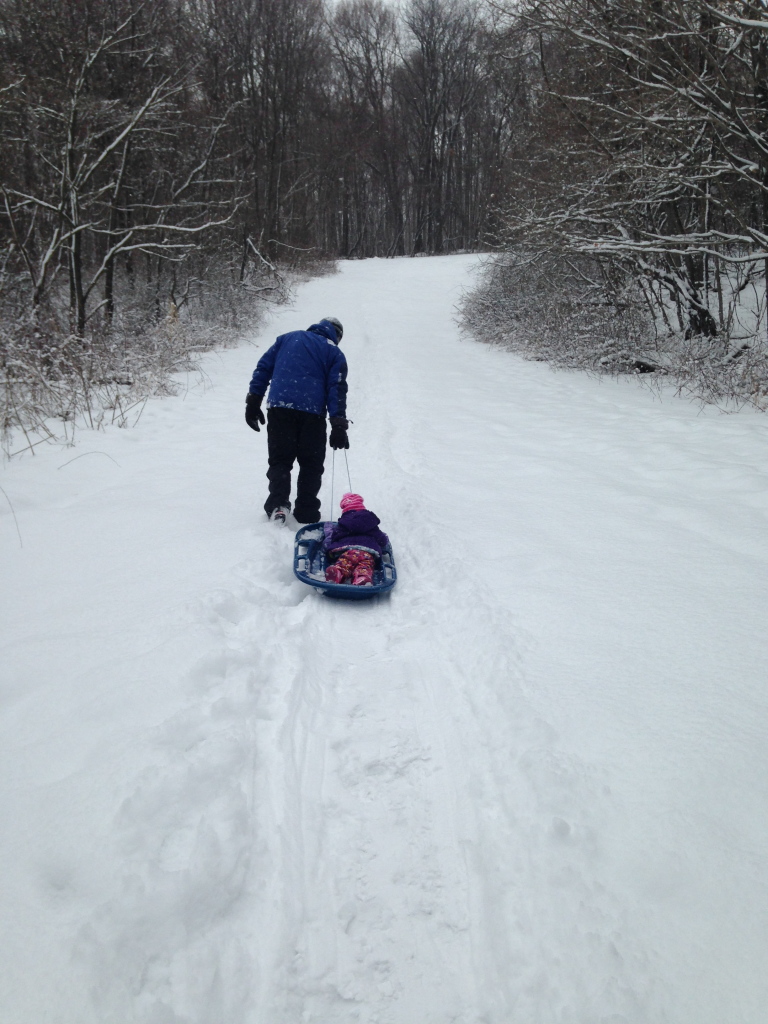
[(335, 573), (363, 574), (279, 515), (305, 515)]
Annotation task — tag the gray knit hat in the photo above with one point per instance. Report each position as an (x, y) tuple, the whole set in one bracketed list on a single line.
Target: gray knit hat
[(336, 324)]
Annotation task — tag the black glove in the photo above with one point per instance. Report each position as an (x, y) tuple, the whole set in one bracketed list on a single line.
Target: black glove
[(253, 414), (339, 437)]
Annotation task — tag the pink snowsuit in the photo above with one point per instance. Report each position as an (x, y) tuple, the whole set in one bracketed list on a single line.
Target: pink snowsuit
[(354, 566), (355, 542)]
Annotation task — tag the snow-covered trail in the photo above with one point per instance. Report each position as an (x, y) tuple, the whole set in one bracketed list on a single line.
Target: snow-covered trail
[(528, 788)]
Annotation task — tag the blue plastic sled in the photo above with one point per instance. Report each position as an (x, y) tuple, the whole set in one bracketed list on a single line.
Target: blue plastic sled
[(309, 562)]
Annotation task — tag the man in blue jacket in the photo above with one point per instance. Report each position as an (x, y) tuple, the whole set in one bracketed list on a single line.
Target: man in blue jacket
[(306, 373)]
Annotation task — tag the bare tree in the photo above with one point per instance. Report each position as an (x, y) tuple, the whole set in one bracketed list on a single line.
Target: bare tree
[(94, 176), (665, 138), (638, 179)]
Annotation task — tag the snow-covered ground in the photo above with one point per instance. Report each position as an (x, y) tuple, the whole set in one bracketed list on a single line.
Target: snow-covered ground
[(531, 787)]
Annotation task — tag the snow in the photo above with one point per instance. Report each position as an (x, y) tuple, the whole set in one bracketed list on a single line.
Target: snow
[(529, 786)]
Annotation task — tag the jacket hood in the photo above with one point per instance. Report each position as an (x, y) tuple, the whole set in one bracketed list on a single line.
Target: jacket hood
[(327, 330), (360, 519)]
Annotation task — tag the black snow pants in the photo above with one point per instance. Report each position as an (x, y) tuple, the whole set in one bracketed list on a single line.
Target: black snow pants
[(293, 436)]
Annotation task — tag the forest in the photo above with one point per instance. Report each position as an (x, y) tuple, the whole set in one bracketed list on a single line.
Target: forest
[(169, 166)]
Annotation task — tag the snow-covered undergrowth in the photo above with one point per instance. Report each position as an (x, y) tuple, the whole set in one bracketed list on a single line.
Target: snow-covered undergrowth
[(567, 311), (54, 384), (528, 787)]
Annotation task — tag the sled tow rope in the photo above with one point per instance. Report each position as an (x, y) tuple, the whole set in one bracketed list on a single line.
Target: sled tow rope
[(333, 478), (349, 478)]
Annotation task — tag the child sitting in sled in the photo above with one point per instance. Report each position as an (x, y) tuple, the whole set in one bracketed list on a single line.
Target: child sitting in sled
[(354, 544)]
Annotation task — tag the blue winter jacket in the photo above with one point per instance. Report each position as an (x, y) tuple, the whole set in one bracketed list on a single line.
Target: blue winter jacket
[(307, 371)]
